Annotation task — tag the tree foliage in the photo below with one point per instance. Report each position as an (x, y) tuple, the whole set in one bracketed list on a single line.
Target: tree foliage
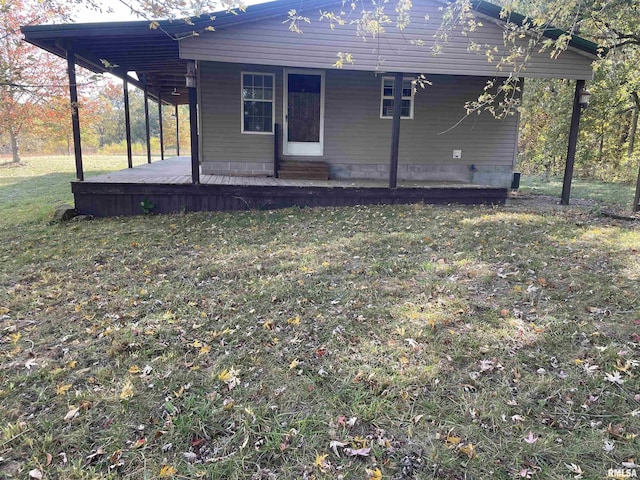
[(607, 145), (28, 76)]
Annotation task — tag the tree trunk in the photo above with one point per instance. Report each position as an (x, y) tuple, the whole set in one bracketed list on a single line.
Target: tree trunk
[(601, 147), (634, 124), (636, 200), (15, 151)]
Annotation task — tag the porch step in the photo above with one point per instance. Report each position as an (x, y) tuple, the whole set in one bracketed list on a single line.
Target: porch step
[(294, 170)]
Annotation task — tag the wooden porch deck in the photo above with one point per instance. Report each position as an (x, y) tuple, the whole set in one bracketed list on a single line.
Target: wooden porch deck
[(167, 185)]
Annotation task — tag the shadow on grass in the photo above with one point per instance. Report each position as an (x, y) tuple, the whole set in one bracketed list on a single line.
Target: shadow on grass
[(32, 199), (606, 194)]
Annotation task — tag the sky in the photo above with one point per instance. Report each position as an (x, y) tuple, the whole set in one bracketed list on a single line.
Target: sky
[(121, 13)]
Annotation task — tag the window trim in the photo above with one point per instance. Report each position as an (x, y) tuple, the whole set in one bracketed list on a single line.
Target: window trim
[(272, 101), (387, 97)]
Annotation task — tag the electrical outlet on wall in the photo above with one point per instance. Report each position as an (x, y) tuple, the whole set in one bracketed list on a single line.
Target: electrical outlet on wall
[(457, 154)]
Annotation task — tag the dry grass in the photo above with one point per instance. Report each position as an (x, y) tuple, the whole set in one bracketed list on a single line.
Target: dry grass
[(406, 341)]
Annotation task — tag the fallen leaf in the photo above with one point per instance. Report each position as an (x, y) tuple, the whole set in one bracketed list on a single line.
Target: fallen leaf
[(294, 363), (127, 391), (167, 471), (35, 473), (357, 452), (335, 444), (133, 369), (62, 389), (374, 474), (141, 442), (530, 439), (615, 430), (95, 454), (71, 414), (321, 461), (190, 457), (230, 377), (417, 419), (115, 457), (614, 378), (294, 321), (469, 450), (623, 367), (452, 441), (486, 366), (575, 469)]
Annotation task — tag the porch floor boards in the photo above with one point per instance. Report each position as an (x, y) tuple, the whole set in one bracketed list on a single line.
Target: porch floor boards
[(166, 184), (177, 171)]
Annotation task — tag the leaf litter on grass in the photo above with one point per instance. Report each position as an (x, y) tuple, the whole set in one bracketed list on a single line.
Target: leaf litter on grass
[(364, 342)]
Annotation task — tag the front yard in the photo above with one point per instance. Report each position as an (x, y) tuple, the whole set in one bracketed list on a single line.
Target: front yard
[(390, 342)]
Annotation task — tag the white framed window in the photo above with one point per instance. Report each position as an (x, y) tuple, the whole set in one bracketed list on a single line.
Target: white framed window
[(386, 101), (257, 102)]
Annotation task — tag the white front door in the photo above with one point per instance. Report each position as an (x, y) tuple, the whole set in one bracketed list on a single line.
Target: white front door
[(303, 112)]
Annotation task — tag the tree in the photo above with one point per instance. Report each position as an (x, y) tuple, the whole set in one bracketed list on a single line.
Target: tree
[(28, 76)]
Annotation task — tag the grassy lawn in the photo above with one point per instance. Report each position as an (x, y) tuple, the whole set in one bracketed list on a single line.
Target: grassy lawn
[(386, 342), (610, 194), (29, 191)]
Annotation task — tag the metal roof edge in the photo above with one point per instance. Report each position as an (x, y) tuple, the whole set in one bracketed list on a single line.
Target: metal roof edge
[(176, 26)]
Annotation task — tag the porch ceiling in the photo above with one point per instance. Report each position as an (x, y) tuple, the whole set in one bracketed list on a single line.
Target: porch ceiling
[(121, 47)]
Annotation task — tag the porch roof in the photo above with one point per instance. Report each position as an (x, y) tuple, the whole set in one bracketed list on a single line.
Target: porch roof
[(121, 47)]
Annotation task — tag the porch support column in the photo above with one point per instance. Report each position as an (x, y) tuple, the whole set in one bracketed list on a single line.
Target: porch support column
[(146, 116), (177, 132), (160, 124), (193, 121), (395, 130), (75, 119), (573, 141), (127, 120)]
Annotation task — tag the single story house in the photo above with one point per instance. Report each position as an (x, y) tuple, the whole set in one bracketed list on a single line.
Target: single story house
[(270, 92)]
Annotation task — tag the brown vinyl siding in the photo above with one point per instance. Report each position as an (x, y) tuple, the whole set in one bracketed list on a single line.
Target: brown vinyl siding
[(354, 132), (269, 42)]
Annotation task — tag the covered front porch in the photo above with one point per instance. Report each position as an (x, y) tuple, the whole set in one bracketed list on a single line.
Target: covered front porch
[(240, 91), (166, 187)]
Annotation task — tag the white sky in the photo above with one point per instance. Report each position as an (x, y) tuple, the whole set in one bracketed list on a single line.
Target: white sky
[(121, 13)]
